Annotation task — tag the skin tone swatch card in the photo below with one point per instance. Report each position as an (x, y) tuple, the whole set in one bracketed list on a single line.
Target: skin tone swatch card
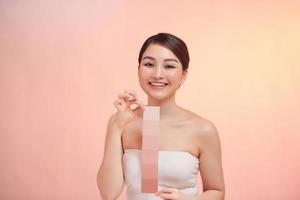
[(150, 148)]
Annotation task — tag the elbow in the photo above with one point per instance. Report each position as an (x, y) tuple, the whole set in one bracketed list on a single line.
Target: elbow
[(109, 192), (218, 194), (221, 194), (108, 197)]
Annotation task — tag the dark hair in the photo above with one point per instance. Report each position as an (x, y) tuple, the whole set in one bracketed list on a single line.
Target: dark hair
[(173, 43)]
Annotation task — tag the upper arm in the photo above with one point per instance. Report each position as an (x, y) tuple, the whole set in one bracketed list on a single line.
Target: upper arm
[(210, 159)]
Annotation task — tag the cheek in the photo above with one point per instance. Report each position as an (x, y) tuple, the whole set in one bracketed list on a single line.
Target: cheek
[(143, 74), (175, 76)]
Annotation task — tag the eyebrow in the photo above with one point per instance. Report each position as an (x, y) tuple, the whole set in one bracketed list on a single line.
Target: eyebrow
[(167, 59)]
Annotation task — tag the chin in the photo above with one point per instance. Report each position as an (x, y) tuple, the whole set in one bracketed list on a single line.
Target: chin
[(159, 97)]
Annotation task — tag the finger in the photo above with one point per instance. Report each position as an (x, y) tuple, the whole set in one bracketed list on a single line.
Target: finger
[(168, 196), (126, 96), (137, 109), (136, 101), (168, 190), (132, 101), (141, 104), (130, 91), (126, 102), (162, 191), (133, 93), (119, 104)]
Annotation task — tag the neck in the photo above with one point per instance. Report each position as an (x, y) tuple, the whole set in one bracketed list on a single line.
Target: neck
[(168, 107)]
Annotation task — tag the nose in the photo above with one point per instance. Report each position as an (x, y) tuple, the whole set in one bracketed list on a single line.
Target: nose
[(158, 72)]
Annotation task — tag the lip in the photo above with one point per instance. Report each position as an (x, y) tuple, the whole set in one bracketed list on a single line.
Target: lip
[(157, 87)]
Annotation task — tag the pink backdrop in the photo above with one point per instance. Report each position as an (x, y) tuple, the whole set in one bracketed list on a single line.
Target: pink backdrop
[(62, 64)]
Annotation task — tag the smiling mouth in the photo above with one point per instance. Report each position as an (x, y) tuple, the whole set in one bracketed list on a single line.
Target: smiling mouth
[(158, 84)]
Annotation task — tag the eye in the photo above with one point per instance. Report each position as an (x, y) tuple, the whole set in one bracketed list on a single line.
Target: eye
[(148, 64), (169, 66)]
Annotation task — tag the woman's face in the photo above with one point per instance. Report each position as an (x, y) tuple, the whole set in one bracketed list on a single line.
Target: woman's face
[(160, 72)]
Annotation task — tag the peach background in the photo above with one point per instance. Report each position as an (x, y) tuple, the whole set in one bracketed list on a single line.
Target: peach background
[(62, 64)]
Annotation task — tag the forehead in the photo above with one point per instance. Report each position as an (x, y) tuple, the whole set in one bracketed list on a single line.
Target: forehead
[(159, 52)]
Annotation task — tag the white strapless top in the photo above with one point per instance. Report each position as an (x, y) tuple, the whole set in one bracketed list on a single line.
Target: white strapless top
[(176, 169)]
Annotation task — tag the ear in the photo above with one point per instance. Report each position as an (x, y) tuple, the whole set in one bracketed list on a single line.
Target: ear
[(138, 71), (184, 76)]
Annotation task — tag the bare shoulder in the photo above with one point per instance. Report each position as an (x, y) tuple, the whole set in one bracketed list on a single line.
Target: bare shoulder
[(204, 131), (202, 125)]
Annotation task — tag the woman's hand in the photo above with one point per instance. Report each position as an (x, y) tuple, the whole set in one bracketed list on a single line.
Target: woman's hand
[(125, 112), (172, 194)]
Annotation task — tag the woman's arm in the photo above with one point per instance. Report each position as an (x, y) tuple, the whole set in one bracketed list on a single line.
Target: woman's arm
[(211, 165), (110, 176)]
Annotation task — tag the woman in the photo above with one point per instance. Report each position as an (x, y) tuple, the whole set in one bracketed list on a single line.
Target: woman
[(188, 143)]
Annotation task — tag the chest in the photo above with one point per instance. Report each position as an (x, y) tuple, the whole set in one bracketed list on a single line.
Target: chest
[(175, 136)]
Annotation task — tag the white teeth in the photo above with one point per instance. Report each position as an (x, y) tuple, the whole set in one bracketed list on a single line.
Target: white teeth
[(158, 84)]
